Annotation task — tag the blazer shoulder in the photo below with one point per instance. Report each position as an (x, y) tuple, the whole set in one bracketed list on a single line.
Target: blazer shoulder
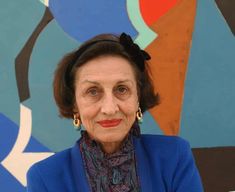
[(174, 157), (51, 174), (57, 159), (53, 164), (163, 141), (164, 147)]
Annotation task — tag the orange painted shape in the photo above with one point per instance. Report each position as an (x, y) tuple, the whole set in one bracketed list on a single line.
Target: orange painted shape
[(152, 10), (170, 53)]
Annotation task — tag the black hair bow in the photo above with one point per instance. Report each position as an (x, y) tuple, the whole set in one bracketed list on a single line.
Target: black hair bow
[(138, 55)]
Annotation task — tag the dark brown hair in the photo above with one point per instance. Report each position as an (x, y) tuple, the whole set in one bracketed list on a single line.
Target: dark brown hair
[(101, 45)]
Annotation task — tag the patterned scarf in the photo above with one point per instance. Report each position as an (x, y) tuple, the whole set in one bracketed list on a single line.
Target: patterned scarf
[(114, 172)]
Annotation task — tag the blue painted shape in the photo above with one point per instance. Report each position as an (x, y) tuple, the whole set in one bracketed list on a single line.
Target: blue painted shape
[(35, 146), (83, 19), (209, 107), (8, 182), (8, 135)]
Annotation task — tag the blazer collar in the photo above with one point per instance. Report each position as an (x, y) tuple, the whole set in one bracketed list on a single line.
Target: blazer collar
[(81, 183), (142, 164)]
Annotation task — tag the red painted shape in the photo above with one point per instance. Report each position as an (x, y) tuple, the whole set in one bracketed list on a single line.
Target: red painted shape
[(152, 10)]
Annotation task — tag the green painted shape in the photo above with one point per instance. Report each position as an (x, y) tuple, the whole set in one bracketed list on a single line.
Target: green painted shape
[(146, 35)]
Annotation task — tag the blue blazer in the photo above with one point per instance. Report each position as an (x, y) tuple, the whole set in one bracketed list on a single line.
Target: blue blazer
[(164, 164)]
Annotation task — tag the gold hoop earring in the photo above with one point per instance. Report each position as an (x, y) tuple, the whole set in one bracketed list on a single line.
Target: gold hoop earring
[(76, 122), (139, 116)]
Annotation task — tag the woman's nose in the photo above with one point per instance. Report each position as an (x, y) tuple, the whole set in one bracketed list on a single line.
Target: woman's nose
[(109, 105)]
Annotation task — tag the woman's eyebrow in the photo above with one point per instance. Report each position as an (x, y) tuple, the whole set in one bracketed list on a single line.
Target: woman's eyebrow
[(125, 81), (89, 81), (97, 83)]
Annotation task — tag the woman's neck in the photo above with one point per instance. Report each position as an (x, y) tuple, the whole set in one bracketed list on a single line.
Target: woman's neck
[(110, 147)]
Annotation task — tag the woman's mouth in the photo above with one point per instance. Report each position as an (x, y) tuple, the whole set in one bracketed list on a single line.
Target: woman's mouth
[(110, 123)]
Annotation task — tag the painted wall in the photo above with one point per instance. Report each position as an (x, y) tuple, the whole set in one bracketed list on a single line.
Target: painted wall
[(192, 46)]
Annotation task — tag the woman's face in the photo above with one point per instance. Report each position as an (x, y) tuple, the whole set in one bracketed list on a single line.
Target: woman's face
[(106, 98)]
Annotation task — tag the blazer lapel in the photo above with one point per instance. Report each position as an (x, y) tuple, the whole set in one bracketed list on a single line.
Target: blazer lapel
[(78, 170), (143, 169)]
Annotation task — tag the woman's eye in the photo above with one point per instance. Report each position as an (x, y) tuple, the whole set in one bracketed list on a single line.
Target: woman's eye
[(122, 90), (93, 92)]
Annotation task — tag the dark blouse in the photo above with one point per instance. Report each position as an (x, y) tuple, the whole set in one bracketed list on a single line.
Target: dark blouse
[(110, 172)]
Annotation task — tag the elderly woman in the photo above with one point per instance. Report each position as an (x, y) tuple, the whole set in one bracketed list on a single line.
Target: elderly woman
[(105, 86)]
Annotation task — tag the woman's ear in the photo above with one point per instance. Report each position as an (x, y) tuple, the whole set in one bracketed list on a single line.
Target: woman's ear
[(75, 109)]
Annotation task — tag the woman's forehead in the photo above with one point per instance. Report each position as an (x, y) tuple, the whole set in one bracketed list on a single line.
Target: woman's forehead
[(105, 68), (111, 81)]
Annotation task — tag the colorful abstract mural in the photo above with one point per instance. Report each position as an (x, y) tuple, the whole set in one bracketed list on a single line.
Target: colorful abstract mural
[(192, 44)]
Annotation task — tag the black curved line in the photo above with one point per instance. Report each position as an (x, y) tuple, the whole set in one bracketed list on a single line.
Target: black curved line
[(22, 59)]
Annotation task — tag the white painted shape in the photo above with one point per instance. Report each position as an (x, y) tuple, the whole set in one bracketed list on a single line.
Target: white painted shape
[(18, 162), (45, 2)]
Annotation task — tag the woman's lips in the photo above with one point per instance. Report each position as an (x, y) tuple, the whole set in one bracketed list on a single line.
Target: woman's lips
[(110, 123)]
